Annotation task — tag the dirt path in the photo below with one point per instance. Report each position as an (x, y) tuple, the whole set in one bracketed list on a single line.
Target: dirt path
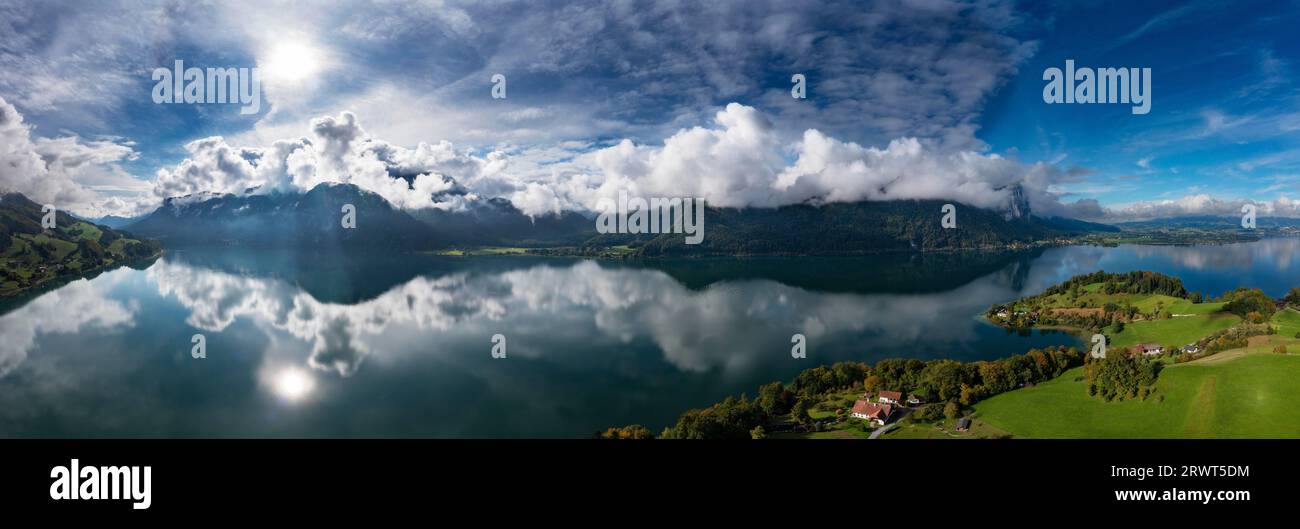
[(881, 431)]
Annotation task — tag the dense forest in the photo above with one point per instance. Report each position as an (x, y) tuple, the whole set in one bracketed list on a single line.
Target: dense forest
[(1121, 376)]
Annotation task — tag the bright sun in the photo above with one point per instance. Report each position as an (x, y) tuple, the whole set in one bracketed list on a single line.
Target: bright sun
[(292, 384), (290, 62)]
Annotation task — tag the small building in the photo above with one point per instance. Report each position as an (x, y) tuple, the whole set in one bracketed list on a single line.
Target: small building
[(877, 414), (1150, 349), (914, 400), (890, 397), (1191, 348), (963, 424)]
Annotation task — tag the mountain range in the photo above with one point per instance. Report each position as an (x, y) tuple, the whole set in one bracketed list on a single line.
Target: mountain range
[(313, 219), (864, 227)]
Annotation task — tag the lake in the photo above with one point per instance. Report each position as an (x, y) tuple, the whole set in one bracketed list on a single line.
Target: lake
[(321, 345)]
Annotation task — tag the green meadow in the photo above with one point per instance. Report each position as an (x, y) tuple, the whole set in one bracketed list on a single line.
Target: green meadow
[(1176, 331), (1247, 396), (1248, 392), (1189, 322)]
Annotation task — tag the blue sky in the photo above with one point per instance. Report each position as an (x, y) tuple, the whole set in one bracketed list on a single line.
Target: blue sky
[(906, 99), (1224, 118)]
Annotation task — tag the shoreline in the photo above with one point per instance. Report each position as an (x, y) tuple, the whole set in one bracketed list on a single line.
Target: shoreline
[(608, 253), (58, 281)]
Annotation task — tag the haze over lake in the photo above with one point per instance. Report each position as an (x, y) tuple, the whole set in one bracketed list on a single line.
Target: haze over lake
[(311, 345)]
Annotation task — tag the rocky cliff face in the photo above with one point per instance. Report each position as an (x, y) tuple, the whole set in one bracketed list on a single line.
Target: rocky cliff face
[(1019, 206)]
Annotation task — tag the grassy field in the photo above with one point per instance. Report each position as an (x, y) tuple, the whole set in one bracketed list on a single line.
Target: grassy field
[(1176, 331), (1287, 322), (1189, 322), (1249, 394)]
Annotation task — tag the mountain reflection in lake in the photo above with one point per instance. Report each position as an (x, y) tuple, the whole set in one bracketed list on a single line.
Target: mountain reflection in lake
[(334, 346)]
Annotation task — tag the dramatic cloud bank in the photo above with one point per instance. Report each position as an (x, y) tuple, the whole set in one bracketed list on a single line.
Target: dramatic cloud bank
[(337, 151), (898, 103), (580, 74), (737, 161)]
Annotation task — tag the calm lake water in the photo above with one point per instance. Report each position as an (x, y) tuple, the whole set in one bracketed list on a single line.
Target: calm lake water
[(362, 346)]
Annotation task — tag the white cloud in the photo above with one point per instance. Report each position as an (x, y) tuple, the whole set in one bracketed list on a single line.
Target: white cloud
[(738, 161), (81, 176), (741, 162), (1200, 204), (877, 71), (585, 70), (339, 150)]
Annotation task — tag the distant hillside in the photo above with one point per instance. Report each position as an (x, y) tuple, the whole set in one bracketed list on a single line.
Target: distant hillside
[(311, 220), (113, 221), (855, 228), (498, 222), (1076, 226), (1209, 222), (31, 255)]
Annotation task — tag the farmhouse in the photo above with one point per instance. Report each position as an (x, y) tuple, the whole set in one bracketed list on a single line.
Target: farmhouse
[(877, 414), (913, 400), (1150, 348), (890, 397)]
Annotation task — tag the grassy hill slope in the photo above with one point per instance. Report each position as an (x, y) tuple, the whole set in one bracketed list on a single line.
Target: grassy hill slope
[(1248, 396), (1247, 390), (31, 256)]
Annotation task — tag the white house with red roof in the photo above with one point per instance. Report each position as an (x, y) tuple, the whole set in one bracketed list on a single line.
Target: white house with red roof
[(1151, 349), (875, 413)]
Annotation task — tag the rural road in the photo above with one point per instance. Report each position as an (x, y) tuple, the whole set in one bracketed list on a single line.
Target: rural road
[(882, 431)]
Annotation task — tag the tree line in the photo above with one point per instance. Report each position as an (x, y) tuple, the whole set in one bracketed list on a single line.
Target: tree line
[(1135, 282), (941, 382), (1121, 376)]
